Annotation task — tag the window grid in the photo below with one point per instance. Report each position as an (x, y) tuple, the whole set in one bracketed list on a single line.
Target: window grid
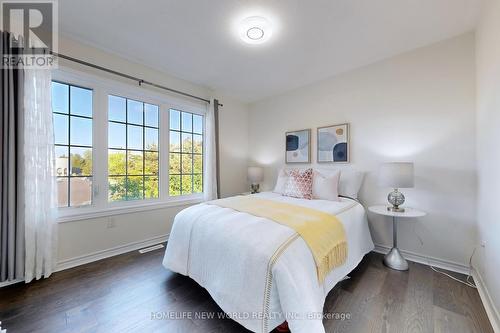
[(68, 146), (126, 150), (181, 153)]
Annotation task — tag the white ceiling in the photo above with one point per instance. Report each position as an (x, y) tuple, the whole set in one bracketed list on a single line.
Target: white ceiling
[(312, 40)]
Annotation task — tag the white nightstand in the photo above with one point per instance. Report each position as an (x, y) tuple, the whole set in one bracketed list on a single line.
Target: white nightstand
[(394, 259)]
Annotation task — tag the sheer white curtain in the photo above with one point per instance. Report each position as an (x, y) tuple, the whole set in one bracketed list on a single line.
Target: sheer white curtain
[(39, 181), (210, 170)]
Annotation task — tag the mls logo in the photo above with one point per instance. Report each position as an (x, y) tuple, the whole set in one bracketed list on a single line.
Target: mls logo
[(33, 31)]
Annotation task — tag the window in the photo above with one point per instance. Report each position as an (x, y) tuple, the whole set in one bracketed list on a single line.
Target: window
[(133, 155), (72, 114), (185, 153), (110, 151)]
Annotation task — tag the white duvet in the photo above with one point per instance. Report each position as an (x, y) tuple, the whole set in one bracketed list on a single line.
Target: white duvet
[(259, 272)]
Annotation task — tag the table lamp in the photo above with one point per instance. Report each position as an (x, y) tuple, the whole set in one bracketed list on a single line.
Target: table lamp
[(255, 176), (396, 175)]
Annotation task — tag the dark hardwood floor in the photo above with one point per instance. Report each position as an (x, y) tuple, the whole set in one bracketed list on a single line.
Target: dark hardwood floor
[(121, 293)]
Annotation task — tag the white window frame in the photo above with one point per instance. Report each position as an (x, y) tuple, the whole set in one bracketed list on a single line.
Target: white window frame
[(69, 145), (102, 87), (180, 131)]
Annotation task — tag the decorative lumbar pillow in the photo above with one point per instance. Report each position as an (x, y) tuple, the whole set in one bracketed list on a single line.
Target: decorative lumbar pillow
[(299, 184), (281, 181), (325, 186)]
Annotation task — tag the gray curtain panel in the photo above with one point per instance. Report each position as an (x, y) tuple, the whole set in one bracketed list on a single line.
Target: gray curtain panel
[(217, 160), (11, 134)]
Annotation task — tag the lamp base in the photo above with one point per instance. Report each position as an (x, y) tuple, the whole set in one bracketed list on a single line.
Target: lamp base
[(395, 260), (255, 188), (396, 199)]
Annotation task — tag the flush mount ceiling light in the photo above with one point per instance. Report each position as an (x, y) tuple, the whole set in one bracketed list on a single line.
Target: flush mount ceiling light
[(255, 30), (255, 33)]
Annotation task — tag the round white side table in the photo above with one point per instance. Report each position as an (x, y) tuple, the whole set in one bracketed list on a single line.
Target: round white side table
[(394, 259)]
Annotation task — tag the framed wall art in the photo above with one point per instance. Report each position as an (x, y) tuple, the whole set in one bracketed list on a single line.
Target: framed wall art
[(333, 144), (298, 146)]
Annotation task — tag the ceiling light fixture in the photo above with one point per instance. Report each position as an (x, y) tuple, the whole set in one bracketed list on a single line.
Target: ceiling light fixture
[(255, 33), (255, 30)]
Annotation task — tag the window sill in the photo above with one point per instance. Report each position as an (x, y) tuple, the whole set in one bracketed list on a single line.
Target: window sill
[(127, 209)]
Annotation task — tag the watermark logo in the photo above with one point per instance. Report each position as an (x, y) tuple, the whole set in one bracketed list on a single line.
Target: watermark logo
[(238, 316), (33, 31)]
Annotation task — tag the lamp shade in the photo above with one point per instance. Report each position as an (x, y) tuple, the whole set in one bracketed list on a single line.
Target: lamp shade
[(396, 175), (255, 174)]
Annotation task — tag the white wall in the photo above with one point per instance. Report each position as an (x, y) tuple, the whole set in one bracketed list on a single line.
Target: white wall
[(419, 106), (233, 143), (488, 140), (86, 52), (85, 237)]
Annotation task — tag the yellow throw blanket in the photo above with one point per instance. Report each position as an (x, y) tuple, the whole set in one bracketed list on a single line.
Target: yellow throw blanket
[(323, 233)]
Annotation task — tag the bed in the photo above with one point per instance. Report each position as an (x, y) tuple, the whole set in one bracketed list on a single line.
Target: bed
[(259, 272)]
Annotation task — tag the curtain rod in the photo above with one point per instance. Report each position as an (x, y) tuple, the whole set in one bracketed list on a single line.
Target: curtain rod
[(130, 77)]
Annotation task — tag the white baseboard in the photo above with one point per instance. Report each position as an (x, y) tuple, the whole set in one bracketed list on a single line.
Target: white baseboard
[(8, 283), (489, 306), (114, 251), (421, 259)]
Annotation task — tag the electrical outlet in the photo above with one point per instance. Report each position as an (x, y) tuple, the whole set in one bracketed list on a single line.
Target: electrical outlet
[(483, 244), (111, 223)]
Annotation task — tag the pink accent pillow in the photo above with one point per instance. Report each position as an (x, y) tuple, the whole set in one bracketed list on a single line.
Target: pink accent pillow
[(299, 184)]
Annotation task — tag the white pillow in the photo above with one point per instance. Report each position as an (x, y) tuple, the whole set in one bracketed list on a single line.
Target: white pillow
[(350, 181), (325, 187), (281, 182)]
